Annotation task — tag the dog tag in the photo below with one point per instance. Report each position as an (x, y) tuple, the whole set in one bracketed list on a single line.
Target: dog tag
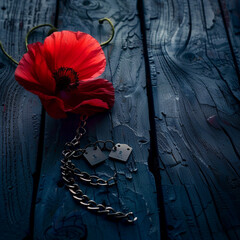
[(120, 152), (94, 155)]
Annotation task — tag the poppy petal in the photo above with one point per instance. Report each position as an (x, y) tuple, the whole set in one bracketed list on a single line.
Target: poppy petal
[(90, 97), (76, 50), (54, 106), (32, 71), (90, 107)]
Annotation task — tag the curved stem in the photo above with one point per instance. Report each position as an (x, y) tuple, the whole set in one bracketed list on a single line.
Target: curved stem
[(6, 54), (113, 30), (53, 29)]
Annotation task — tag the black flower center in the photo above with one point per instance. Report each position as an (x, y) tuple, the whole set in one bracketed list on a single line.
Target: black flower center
[(66, 79)]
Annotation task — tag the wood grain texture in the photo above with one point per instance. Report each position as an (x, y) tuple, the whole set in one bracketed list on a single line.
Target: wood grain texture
[(57, 216), (19, 118), (231, 15), (196, 93)]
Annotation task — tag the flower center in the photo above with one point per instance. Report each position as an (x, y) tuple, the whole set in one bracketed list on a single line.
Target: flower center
[(66, 79)]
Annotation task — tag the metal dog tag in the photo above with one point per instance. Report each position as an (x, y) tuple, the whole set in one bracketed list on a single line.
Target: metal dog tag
[(120, 152), (94, 155)]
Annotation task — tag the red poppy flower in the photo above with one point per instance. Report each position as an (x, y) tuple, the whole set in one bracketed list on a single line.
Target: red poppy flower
[(61, 72)]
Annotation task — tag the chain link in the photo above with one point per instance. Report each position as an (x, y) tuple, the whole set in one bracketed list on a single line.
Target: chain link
[(70, 173)]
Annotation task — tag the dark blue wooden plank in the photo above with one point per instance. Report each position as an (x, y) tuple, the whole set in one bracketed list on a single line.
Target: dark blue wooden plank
[(57, 215), (231, 16), (20, 115), (196, 102)]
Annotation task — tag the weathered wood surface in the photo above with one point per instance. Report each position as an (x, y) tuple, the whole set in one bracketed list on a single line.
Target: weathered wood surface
[(192, 64), (230, 11), (19, 119), (57, 216), (196, 101)]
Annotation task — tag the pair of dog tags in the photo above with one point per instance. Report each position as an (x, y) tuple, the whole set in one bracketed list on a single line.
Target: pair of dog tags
[(120, 152)]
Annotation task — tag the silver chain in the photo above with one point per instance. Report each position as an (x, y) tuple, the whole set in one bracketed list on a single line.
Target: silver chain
[(70, 174)]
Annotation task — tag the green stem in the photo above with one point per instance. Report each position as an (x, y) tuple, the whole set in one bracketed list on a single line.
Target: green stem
[(11, 58), (113, 30), (53, 29)]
